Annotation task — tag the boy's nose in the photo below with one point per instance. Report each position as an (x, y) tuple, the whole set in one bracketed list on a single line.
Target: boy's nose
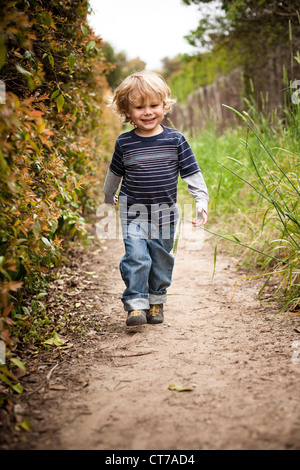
[(148, 110)]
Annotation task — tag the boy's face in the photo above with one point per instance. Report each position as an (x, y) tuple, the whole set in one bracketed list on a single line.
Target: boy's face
[(146, 115)]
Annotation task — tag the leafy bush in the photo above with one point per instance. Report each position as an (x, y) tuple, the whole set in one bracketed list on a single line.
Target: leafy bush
[(53, 140)]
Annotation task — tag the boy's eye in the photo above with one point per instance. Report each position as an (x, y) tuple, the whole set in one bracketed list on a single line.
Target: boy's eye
[(154, 105)]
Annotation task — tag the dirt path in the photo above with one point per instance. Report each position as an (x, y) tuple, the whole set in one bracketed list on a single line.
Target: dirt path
[(110, 391)]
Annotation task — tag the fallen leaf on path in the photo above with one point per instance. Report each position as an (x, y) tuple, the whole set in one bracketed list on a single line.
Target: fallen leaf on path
[(57, 341), (26, 425), (19, 373), (57, 387), (178, 388), (18, 363)]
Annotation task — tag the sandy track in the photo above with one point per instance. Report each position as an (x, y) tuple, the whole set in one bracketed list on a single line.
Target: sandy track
[(233, 353)]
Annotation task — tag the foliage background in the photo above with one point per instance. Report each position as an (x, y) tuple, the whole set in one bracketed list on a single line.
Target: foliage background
[(55, 130), (254, 35), (252, 169)]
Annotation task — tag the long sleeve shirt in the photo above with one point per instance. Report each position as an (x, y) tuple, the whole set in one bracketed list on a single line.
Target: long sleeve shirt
[(147, 168)]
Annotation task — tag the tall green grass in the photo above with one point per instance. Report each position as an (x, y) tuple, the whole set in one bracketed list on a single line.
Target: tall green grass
[(252, 173)]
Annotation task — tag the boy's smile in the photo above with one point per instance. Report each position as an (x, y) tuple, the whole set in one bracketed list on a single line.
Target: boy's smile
[(146, 115)]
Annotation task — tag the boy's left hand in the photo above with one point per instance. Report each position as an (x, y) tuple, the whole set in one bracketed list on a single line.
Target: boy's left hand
[(201, 219)]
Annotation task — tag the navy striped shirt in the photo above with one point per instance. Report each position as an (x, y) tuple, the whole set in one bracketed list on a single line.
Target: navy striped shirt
[(150, 167)]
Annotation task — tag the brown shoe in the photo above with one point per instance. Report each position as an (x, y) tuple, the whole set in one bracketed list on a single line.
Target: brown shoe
[(156, 313), (136, 317)]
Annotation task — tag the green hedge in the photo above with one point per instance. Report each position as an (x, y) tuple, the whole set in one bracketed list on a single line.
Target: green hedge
[(53, 139)]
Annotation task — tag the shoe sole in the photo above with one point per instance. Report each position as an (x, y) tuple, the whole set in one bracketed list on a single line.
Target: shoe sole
[(154, 320), (133, 321)]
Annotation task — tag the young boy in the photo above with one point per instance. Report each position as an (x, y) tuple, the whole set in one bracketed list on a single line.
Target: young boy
[(148, 160)]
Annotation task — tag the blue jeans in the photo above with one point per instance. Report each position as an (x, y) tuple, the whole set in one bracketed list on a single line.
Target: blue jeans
[(147, 265)]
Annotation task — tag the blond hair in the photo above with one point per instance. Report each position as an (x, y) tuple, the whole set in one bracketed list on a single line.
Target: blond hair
[(139, 86)]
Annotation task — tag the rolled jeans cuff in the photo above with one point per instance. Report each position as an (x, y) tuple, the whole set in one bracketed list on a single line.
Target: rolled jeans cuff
[(157, 299), (138, 303)]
